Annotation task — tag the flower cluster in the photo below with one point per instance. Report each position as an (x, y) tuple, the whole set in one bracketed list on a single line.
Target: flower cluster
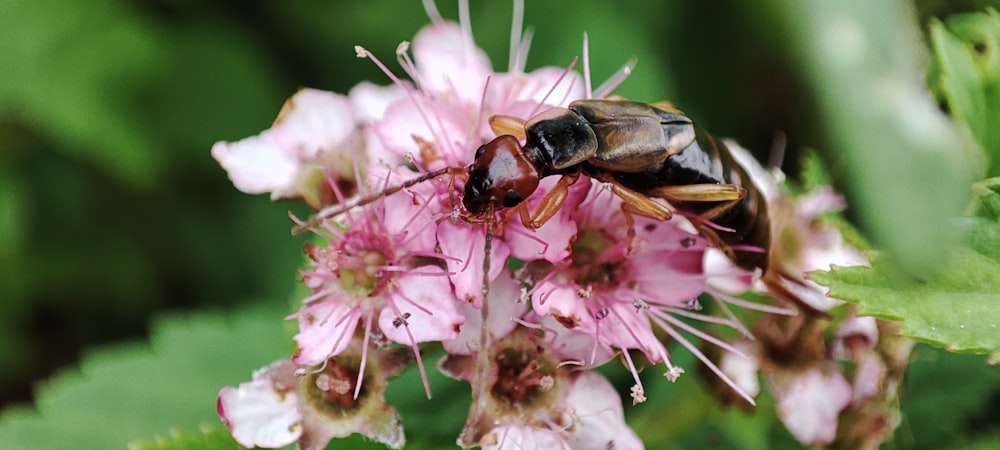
[(522, 312), (834, 381)]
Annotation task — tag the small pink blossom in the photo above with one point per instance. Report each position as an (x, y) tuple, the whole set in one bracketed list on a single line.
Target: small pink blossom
[(505, 314), (315, 128), (518, 437), (598, 418), (743, 370), (588, 417), (617, 295), (381, 273), (809, 403), (280, 405), (263, 412)]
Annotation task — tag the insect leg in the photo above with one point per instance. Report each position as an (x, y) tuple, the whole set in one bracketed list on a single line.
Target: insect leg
[(636, 203), (511, 125), (550, 204), (730, 194)]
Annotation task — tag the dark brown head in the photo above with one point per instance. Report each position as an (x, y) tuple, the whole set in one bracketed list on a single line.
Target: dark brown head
[(502, 175)]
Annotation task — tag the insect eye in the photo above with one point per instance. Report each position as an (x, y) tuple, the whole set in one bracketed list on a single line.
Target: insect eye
[(511, 199), (480, 151)]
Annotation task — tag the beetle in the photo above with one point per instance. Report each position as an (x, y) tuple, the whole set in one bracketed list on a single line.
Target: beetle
[(642, 151)]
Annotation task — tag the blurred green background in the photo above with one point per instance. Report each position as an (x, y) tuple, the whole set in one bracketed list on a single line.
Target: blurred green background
[(112, 210)]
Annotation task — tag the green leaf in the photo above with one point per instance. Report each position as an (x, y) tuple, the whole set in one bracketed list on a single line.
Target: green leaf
[(966, 74), (945, 395), (988, 192), (957, 309), (859, 57), (135, 391), (985, 443), (211, 437), (71, 69)]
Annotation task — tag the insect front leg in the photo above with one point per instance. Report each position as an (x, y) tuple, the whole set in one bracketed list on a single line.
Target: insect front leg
[(550, 204), (638, 204)]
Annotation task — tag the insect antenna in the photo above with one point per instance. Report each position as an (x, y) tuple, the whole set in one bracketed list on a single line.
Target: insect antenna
[(336, 210)]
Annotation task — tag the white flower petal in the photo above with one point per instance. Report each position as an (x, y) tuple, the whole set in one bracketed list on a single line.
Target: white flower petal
[(369, 100), (314, 121), (743, 371), (600, 421), (520, 437), (257, 164), (261, 413), (809, 404)]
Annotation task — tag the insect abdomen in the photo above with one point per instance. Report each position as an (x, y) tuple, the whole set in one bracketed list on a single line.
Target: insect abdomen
[(709, 161)]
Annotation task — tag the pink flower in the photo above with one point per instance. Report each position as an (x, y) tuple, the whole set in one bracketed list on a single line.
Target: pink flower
[(515, 437), (314, 130), (809, 403), (440, 123), (504, 317), (598, 418), (589, 417), (399, 262), (263, 412), (381, 273), (618, 296), (533, 397), (281, 405)]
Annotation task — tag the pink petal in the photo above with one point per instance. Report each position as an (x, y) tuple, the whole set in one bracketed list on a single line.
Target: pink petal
[(449, 62), (723, 275), (377, 153), (743, 371), (563, 302), (668, 278), (433, 315), (448, 131), (324, 332), (572, 345), (869, 377), (257, 164), (520, 437), (862, 329), (520, 94), (409, 215), (261, 413), (624, 327), (600, 421), (369, 101), (313, 121), (460, 241), (504, 309), (810, 402)]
